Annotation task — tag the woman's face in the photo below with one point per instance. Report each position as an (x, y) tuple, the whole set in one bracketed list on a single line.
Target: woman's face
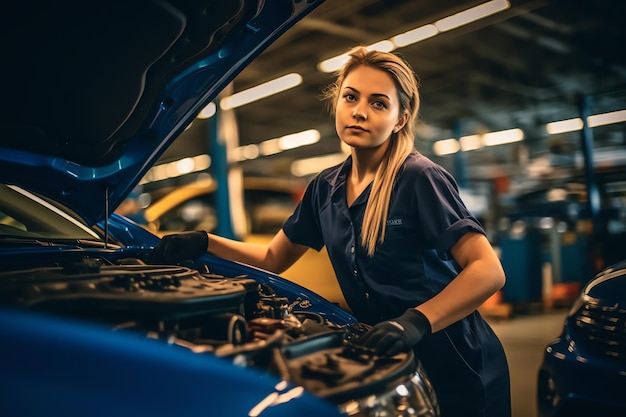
[(368, 108)]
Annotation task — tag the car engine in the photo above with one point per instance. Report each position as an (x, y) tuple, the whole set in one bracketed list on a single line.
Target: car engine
[(234, 318)]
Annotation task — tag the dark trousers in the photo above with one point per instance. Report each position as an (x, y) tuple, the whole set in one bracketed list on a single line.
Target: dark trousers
[(468, 369)]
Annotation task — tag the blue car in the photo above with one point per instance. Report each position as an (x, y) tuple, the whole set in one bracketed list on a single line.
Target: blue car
[(584, 370), (93, 94)]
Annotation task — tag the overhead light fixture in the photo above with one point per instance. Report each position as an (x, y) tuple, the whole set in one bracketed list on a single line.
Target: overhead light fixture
[(415, 35), (295, 140), (274, 146), (564, 126), (261, 91), (177, 168), (243, 153), (423, 32), (382, 46), (311, 166), (502, 137), (471, 143), (208, 111), (446, 147), (571, 125), (606, 118), (334, 63), (472, 14)]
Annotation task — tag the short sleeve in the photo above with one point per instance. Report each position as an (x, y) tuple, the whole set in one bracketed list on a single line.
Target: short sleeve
[(303, 226), (443, 216)]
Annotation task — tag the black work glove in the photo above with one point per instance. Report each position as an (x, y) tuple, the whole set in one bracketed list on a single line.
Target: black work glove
[(397, 335), (173, 249)]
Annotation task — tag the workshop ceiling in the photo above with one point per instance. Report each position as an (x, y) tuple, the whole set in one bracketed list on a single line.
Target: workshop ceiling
[(519, 68)]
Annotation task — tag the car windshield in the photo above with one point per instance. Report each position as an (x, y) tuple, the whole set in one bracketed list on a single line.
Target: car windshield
[(29, 216)]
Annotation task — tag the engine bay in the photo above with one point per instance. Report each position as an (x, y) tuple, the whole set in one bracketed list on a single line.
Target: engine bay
[(234, 318)]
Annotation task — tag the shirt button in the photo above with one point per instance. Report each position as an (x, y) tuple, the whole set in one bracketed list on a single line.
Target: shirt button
[(367, 295), (352, 249), (355, 272)]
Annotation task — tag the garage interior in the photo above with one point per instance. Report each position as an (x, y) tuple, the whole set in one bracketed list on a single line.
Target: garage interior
[(553, 199)]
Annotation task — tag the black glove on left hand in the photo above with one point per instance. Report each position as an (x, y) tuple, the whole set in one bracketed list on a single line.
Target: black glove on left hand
[(397, 335), (176, 248)]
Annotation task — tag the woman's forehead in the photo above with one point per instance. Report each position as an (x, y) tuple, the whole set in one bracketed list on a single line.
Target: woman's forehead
[(371, 80)]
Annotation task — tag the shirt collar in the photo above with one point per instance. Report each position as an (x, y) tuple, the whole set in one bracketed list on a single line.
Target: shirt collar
[(338, 180)]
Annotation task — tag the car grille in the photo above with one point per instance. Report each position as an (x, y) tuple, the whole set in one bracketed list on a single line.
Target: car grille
[(602, 330)]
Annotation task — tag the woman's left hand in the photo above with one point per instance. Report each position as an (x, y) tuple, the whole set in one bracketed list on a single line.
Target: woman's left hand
[(393, 336)]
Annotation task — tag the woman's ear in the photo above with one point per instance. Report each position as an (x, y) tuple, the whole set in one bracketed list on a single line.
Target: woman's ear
[(404, 117)]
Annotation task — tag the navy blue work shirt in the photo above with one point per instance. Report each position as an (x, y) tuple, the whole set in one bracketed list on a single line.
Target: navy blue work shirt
[(426, 217), (465, 361)]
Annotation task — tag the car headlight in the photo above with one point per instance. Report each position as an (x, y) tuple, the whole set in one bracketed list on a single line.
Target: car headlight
[(407, 397)]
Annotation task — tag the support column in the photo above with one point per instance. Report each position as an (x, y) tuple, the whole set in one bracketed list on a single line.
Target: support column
[(460, 159), (584, 104), (229, 197)]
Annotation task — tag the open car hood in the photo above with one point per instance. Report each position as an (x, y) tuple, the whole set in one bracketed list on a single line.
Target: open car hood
[(96, 91)]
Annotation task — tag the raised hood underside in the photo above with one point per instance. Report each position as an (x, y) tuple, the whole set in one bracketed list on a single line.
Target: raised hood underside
[(95, 91)]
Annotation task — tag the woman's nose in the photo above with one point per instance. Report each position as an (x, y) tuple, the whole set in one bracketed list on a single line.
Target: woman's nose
[(359, 114)]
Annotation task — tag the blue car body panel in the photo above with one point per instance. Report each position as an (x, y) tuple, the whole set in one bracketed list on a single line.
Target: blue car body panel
[(130, 233), (51, 366), (584, 370), (119, 81), (84, 369)]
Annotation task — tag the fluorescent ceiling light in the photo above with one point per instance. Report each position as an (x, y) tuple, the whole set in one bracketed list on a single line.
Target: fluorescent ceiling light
[(564, 126), (261, 91), (423, 32), (269, 147), (177, 168), (415, 35), (247, 152), (333, 64), (295, 140), (571, 125), (471, 143), (274, 146), (472, 14), (336, 62), (446, 147), (606, 118), (382, 46), (208, 111), (502, 137), (310, 166)]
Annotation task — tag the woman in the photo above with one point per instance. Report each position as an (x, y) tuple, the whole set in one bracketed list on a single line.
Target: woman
[(410, 258)]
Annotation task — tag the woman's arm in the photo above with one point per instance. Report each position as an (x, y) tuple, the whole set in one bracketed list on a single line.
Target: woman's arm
[(481, 276), (276, 256)]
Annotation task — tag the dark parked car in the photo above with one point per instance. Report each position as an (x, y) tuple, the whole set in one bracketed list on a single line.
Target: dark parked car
[(94, 93), (584, 370)]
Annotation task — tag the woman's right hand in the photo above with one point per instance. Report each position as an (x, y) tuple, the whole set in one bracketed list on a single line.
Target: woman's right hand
[(173, 249)]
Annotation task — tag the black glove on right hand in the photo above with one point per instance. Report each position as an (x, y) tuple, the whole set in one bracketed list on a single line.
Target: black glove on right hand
[(176, 248), (396, 335)]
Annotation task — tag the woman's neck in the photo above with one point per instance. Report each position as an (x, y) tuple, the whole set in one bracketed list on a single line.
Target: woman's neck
[(365, 164)]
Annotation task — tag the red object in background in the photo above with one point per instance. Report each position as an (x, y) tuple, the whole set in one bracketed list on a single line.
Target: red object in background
[(501, 184)]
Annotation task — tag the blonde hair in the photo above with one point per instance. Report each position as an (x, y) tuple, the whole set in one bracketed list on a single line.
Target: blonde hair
[(401, 143)]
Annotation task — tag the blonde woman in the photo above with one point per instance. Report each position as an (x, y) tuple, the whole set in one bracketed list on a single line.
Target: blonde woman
[(410, 258)]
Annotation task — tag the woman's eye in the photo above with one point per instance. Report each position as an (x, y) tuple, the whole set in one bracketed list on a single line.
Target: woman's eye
[(349, 97), (379, 105)]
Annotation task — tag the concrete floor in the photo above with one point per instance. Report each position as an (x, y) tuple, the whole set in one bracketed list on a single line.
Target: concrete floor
[(524, 338)]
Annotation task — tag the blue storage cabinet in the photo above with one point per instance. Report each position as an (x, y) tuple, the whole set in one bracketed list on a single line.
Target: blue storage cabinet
[(521, 257), (575, 258)]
